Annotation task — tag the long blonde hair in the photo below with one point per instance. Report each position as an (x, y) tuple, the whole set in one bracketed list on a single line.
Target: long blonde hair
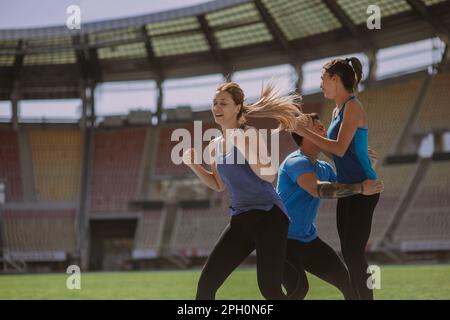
[(271, 104)]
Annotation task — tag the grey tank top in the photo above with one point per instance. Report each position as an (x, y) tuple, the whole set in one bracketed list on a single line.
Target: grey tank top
[(248, 191)]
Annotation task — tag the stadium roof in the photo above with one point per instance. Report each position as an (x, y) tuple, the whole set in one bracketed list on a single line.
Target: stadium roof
[(223, 36)]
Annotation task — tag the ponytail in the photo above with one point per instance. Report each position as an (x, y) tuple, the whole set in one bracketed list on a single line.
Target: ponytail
[(357, 67)]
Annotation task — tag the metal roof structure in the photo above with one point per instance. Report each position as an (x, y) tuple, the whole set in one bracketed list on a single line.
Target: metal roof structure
[(222, 36)]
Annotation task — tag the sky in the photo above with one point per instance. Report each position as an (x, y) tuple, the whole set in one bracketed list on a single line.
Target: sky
[(16, 14), (119, 98)]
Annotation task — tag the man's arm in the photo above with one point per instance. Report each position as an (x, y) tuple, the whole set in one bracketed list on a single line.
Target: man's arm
[(333, 190)]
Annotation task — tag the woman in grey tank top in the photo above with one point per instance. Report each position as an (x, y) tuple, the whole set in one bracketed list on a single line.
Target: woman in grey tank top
[(258, 217)]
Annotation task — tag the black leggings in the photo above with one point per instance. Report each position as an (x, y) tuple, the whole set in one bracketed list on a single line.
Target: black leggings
[(261, 230), (319, 259), (354, 222)]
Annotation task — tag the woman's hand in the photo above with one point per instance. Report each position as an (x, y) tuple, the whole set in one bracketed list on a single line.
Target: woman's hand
[(209, 178), (373, 155), (304, 121)]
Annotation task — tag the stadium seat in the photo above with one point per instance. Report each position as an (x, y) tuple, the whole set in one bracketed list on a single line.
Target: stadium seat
[(117, 161), (39, 234), (196, 231), (428, 217), (10, 171), (147, 241), (57, 158), (435, 113)]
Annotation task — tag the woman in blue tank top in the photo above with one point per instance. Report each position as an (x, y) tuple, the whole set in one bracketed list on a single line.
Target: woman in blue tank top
[(258, 217), (347, 143)]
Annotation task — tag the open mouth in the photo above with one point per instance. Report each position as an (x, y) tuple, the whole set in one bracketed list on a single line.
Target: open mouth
[(218, 115)]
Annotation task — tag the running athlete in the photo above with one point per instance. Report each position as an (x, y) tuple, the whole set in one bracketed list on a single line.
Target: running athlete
[(302, 181), (347, 142), (258, 217)]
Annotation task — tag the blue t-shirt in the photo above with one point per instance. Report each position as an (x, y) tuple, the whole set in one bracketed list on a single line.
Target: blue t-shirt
[(301, 206)]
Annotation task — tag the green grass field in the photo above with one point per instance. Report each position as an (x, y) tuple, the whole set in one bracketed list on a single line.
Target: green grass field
[(397, 282)]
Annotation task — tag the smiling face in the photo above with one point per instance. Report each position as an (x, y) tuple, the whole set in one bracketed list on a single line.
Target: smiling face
[(224, 109)]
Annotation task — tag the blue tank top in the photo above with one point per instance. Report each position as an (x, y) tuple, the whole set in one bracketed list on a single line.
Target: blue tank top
[(355, 165), (247, 190)]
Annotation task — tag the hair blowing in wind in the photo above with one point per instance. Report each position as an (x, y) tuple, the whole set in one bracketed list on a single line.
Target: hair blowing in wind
[(271, 104)]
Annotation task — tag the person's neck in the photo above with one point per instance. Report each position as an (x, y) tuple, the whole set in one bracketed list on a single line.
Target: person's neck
[(342, 98), (229, 126), (311, 151)]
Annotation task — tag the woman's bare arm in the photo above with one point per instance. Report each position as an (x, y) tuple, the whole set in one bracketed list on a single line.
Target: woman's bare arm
[(350, 123), (210, 178)]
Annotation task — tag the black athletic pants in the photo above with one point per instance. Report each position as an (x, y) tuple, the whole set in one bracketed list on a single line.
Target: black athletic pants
[(264, 231), (354, 222), (319, 259)]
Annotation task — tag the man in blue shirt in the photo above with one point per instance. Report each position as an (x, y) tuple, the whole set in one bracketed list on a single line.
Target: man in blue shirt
[(302, 182)]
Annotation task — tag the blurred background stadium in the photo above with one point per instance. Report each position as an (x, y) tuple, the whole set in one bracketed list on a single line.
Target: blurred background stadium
[(85, 184)]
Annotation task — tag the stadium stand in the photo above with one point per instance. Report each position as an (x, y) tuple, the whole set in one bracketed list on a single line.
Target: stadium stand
[(147, 242), (427, 221), (39, 234), (117, 159), (396, 178), (435, 113), (10, 165), (57, 158), (197, 230), (56, 174)]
